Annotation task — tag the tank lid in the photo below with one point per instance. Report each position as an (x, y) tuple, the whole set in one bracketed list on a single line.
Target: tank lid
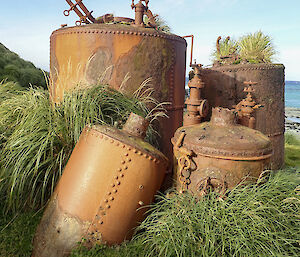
[(223, 138), (135, 143)]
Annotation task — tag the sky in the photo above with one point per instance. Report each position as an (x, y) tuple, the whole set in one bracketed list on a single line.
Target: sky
[(26, 25)]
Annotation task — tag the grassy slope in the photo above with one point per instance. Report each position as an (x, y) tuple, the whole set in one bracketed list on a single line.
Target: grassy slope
[(13, 68)]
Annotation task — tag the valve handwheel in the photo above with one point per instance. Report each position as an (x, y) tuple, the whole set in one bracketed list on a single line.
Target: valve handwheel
[(203, 108)]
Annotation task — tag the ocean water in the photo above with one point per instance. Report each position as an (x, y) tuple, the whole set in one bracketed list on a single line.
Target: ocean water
[(292, 94)]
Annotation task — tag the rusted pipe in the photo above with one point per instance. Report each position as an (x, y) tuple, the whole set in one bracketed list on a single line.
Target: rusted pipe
[(192, 47)]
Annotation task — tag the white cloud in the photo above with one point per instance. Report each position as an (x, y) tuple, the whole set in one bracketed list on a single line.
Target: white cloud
[(290, 58)]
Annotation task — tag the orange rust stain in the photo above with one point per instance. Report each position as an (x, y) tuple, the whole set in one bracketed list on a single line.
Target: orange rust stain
[(123, 44), (73, 52)]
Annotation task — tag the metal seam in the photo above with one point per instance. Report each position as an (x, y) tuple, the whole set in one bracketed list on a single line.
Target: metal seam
[(97, 31)]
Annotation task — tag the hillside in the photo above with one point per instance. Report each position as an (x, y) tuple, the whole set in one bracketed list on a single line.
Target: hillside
[(14, 68)]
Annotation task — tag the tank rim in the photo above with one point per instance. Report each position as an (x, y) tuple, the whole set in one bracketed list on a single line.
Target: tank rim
[(245, 67), (117, 29)]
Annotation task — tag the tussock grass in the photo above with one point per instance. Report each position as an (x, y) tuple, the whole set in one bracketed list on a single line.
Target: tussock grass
[(250, 48), (256, 48), (292, 150), (227, 48), (37, 137), (252, 221)]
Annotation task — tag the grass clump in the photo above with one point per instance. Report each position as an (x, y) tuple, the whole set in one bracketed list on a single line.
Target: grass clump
[(16, 233), (292, 150), (250, 48), (225, 47), (256, 48), (37, 137), (251, 221)]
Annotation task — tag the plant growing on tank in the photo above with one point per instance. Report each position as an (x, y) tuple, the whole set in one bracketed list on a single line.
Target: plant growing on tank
[(250, 48), (225, 48), (256, 48)]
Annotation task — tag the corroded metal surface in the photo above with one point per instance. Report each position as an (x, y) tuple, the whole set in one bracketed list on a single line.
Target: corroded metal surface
[(86, 55), (219, 152), (107, 180), (197, 107), (225, 85), (246, 107)]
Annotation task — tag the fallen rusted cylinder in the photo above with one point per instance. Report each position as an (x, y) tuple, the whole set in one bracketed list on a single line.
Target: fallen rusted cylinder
[(107, 53), (224, 87), (101, 197), (218, 155)]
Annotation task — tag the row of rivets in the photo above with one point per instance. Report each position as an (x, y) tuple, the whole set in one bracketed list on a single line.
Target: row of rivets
[(112, 141), (171, 37), (117, 183)]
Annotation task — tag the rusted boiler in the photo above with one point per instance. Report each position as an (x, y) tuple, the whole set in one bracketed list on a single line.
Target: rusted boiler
[(110, 53), (225, 85), (101, 197), (218, 155)]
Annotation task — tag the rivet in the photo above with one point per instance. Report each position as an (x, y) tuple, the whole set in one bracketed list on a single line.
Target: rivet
[(123, 162), (123, 146), (126, 154), (122, 32), (150, 158), (101, 222), (106, 201), (128, 160), (145, 155), (117, 144), (119, 169), (140, 153), (116, 177), (118, 183), (125, 168), (118, 32), (141, 187), (129, 148), (111, 198), (135, 151), (107, 206), (113, 185), (122, 175), (109, 193), (115, 190), (112, 141)]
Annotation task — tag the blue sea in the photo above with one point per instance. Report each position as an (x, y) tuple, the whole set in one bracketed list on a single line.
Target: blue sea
[(292, 94)]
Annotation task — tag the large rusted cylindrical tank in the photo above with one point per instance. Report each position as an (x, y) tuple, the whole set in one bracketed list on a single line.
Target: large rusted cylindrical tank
[(101, 197), (224, 87), (107, 53), (219, 154)]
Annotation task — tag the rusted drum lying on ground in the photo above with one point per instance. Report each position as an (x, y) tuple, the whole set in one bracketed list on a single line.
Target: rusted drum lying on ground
[(219, 154), (224, 87), (109, 177), (91, 53)]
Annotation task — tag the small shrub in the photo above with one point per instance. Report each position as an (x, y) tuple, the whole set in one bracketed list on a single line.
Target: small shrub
[(256, 48)]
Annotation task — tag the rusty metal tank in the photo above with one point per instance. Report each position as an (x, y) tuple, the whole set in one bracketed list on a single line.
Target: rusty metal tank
[(101, 197), (85, 55), (219, 154), (224, 87)]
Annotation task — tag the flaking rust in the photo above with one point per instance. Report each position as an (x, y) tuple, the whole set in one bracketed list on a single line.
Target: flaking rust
[(110, 175), (94, 53), (218, 155)]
